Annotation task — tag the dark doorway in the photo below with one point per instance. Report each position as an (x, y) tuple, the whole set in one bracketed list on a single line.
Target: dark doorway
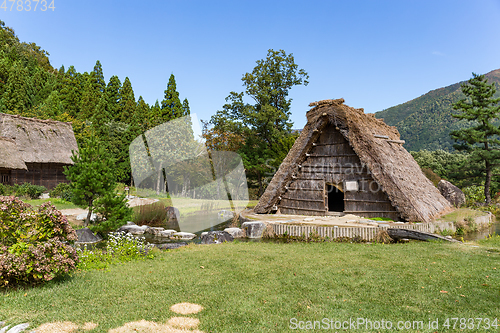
[(335, 199)]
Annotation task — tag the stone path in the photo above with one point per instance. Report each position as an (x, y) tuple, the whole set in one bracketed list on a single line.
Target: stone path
[(173, 325)]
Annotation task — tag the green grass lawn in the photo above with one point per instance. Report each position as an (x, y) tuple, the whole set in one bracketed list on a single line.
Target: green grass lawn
[(259, 287), (57, 202)]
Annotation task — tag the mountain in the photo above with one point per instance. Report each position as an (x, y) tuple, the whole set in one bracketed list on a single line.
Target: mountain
[(426, 122)]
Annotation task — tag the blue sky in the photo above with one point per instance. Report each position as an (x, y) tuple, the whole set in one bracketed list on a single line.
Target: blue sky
[(374, 54)]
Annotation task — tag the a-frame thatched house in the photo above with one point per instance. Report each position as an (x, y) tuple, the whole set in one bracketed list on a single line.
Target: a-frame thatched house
[(347, 161), (34, 151)]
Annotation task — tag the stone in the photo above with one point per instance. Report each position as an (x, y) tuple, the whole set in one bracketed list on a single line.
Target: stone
[(225, 215), (133, 228), (16, 329), (170, 246), (182, 235), (86, 236), (167, 233), (155, 231), (451, 193), (173, 216), (216, 237), (203, 233), (254, 229), (235, 232), (83, 216)]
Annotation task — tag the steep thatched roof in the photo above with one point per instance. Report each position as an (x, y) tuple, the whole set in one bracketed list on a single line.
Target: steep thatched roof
[(10, 156), (39, 141), (378, 146)]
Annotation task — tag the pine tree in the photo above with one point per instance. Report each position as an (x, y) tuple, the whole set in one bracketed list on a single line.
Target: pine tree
[(127, 104), (97, 77), (91, 96), (71, 91), (112, 93), (91, 175), (481, 139), (155, 115), (171, 106), (142, 115), (100, 121), (185, 108), (15, 98)]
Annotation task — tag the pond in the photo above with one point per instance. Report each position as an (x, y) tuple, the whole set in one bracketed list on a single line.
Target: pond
[(478, 235)]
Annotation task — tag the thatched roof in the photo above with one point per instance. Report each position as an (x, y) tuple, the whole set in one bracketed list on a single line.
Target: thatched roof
[(378, 146), (39, 141), (10, 156)]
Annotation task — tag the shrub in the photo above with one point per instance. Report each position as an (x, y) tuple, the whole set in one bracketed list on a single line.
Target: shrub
[(29, 190), (474, 194), (34, 245), (6, 189), (63, 191), (114, 213)]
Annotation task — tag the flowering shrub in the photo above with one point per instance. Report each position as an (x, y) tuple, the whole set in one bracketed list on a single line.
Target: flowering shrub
[(121, 247), (34, 244)]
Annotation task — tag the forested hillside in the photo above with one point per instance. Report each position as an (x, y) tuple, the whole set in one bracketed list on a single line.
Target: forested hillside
[(426, 122), (31, 87)]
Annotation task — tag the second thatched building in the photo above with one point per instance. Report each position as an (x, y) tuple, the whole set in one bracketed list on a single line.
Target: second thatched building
[(34, 151), (346, 161)]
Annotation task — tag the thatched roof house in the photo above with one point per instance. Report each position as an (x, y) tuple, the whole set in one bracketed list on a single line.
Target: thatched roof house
[(347, 161), (34, 150)]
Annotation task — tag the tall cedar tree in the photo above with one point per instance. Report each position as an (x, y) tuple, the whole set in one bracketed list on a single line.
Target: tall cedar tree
[(266, 123), (113, 96), (127, 104), (91, 175), (171, 106), (185, 107), (481, 140)]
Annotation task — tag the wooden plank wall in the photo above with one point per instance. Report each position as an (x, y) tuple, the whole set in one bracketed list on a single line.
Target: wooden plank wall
[(44, 174), (333, 161)]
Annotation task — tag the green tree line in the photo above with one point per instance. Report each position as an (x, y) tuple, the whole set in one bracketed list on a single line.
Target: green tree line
[(31, 87)]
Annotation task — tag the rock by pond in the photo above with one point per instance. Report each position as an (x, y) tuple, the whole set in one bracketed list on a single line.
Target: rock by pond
[(172, 219), (225, 215), (182, 236), (133, 228), (216, 237), (235, 232), (254, 229)]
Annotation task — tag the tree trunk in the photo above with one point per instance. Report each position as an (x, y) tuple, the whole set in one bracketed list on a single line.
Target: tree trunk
[(158, 179), (89, 215), (487, 183)]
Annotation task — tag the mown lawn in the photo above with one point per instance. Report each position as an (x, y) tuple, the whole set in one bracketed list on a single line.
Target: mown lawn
[(259, 287), (57, 202)]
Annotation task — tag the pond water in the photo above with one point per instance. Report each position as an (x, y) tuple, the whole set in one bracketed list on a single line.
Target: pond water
[(478, 235)]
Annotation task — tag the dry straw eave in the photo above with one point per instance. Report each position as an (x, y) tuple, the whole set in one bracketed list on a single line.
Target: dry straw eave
[(39, 141)]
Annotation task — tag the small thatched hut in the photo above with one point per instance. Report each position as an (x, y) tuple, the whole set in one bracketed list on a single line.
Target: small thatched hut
[(34, 151), (346, 161)]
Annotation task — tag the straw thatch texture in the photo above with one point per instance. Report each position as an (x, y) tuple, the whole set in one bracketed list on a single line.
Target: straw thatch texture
[(391, 166), (10, 156), (39, 141)]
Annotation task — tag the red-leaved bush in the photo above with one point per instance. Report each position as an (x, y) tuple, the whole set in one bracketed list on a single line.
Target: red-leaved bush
[(35, 245)]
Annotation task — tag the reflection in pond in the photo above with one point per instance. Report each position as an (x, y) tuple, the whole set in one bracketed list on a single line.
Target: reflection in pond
[(478, 235)]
